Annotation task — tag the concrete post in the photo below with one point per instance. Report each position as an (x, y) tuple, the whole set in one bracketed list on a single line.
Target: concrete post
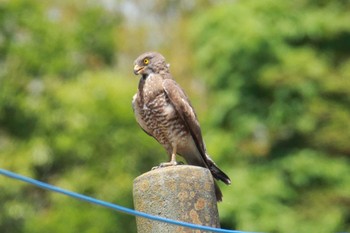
[(183, 192)]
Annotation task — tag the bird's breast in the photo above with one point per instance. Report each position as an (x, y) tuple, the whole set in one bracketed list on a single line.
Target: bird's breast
[(169, 110), (159, 117)]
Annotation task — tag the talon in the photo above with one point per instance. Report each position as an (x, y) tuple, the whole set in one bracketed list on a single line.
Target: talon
[(172, 161), (154, 168), (168, 164)]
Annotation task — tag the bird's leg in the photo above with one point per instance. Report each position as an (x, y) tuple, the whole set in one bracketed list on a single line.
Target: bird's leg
[(172, 161), (173, 156)]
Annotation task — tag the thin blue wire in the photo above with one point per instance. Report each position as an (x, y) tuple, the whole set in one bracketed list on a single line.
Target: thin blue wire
[(110, 205)]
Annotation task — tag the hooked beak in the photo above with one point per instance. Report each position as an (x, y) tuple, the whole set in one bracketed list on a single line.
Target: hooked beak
[(138, 69)]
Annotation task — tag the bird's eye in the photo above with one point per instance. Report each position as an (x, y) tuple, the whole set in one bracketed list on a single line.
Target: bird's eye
[(146, 61)]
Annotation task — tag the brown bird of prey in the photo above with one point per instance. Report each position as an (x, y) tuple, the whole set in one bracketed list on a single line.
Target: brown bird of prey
[(163, 111)]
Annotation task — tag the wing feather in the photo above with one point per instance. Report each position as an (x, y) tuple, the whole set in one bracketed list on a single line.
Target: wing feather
[(185, 110)]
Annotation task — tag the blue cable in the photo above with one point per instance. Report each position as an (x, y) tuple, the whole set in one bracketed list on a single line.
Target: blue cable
[(110, 205)]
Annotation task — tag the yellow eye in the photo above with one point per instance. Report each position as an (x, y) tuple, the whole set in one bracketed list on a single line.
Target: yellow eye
[(146, 61)]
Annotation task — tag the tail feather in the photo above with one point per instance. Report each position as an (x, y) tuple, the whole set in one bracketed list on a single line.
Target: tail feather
[(205, 161), (217, 173), (218, 192)]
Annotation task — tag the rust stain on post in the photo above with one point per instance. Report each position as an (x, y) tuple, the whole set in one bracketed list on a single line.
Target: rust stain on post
[(184, 193)]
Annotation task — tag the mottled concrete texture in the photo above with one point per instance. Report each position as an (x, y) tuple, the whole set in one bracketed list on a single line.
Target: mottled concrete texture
[(184, 193)]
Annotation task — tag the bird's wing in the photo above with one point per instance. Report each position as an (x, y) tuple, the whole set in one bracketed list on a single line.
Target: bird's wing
[(185, 110)]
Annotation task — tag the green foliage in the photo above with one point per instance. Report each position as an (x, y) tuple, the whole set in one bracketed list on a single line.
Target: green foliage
[(278, 78), (39, 39), (279, 72), (59, 124), (82, 142)]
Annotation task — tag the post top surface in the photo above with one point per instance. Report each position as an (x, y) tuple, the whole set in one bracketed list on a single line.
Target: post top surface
[(180, 170)]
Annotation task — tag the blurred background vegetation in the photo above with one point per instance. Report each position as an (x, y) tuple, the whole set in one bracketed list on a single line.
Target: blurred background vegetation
[(270, 81)]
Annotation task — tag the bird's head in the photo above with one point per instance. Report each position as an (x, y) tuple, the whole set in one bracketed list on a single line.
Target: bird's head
[(150, 62)]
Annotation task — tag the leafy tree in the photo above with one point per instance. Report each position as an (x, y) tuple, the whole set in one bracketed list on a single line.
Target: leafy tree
[(279, 109), (279, 74), (60, 120)]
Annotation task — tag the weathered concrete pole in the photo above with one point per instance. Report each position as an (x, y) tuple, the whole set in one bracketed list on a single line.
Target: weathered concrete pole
[(184, 193)]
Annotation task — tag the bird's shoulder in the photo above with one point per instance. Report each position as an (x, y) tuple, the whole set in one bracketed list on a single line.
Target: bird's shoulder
[(179, 99)]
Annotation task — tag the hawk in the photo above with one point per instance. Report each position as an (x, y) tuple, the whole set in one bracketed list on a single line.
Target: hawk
[(163, 111)]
